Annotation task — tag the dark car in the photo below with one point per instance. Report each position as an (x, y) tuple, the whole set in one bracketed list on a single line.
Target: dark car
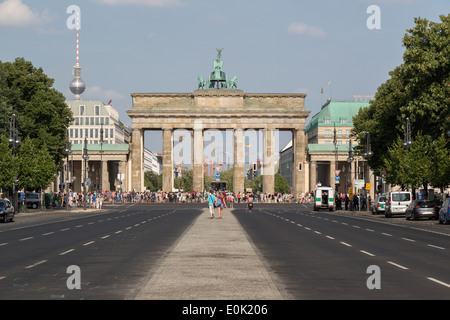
[(6, 210), (420, 209)]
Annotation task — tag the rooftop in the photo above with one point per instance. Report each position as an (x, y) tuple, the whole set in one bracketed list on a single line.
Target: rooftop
[(333, 112)]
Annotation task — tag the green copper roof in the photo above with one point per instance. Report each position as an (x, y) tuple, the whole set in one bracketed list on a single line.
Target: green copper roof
[(335, 112), (316, 147), (124, 147)]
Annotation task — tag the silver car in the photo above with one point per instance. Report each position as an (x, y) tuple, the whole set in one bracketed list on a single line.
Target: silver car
[(421, 209)]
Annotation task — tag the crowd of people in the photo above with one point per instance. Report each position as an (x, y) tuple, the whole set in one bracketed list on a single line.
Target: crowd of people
[(97, 199)]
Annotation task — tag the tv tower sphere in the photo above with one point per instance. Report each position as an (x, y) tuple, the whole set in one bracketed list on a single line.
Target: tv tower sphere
[(77, 86)]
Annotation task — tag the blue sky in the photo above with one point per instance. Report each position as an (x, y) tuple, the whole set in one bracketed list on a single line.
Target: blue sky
[(272, 46)]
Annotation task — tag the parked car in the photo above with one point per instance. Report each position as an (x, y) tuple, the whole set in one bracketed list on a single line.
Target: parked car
[(398, 201), (33, 199), (6, 210), (444, 212), (379, 205), (421, 209)]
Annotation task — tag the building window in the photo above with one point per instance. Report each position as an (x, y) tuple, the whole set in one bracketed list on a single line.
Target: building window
[(92, 133), (97, 110), (86, 133), (81, 121), (111, 133), (107, 121), (97, 121), (106, 133), (339, 133), (327, 121), (344, 121), (71, 133), (327, 133), (92, 121), (347, 133), (81, 110), (81, 133), (96, 133), (77, 121), (76, 133)]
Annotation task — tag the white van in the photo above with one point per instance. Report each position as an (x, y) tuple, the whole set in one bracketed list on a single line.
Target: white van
[(397, 203), (324, 198)]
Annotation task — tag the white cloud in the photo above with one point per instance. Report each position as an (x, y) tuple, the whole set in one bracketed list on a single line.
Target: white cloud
[(149, 3), (15, 13), (97, 93), (302, 28)]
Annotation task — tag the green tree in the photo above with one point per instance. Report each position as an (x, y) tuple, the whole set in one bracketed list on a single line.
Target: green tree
[(152, 181), (418, 89), (8, 167), (281, 184), (41, 111), (36, 166)]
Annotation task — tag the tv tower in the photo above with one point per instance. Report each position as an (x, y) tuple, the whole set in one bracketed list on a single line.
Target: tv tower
[(77, 86)]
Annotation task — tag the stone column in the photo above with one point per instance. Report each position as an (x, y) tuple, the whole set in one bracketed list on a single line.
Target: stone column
[(137, 157), (268, 162), (167, 160), (332, 173), (198, 183), (298, 176), (239, 161), (105, 176), (312, 175)]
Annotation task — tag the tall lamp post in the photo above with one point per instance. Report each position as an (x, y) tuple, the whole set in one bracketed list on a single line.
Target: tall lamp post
[(68, 151), (85, 158), (14, 140), (336, 182), (101, 159), (349, 172), (407, 141), (367, 155)]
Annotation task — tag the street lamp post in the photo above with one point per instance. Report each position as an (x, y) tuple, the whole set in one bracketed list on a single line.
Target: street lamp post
[(349, 171), (367, 155), (14, 140), (68, 151), (85, 157), (407, 141), (336, 182), (101, 159)]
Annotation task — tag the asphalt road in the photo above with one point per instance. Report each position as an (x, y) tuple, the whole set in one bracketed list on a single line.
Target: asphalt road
[(324, 255), (315, 255), (115, 249)]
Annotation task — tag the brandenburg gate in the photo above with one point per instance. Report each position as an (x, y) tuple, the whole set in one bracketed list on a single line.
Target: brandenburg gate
[(218, 104)]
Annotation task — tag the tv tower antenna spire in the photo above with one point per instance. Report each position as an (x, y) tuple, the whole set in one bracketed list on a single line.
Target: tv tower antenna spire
[(77, 86)]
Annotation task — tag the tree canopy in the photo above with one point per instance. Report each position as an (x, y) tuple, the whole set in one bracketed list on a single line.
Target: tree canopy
[(418, 89), (42, 119)]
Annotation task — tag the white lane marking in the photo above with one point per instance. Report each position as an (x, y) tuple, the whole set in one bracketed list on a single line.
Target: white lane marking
[(368, 253), (433, 246), (407, 239), (24, 239), (36, 264), (66, 252), (397, 265), (346, 244), (88, 243), (440, 282)]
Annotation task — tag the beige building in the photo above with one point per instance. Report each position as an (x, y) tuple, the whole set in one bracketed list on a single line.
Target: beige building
[(327, 150)]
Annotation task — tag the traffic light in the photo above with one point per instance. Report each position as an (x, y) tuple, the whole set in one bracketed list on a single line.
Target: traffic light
[(254, 167), (300, 166)]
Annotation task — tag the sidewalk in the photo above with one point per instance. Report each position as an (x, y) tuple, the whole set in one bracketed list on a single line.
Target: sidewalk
[(214, 260)]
